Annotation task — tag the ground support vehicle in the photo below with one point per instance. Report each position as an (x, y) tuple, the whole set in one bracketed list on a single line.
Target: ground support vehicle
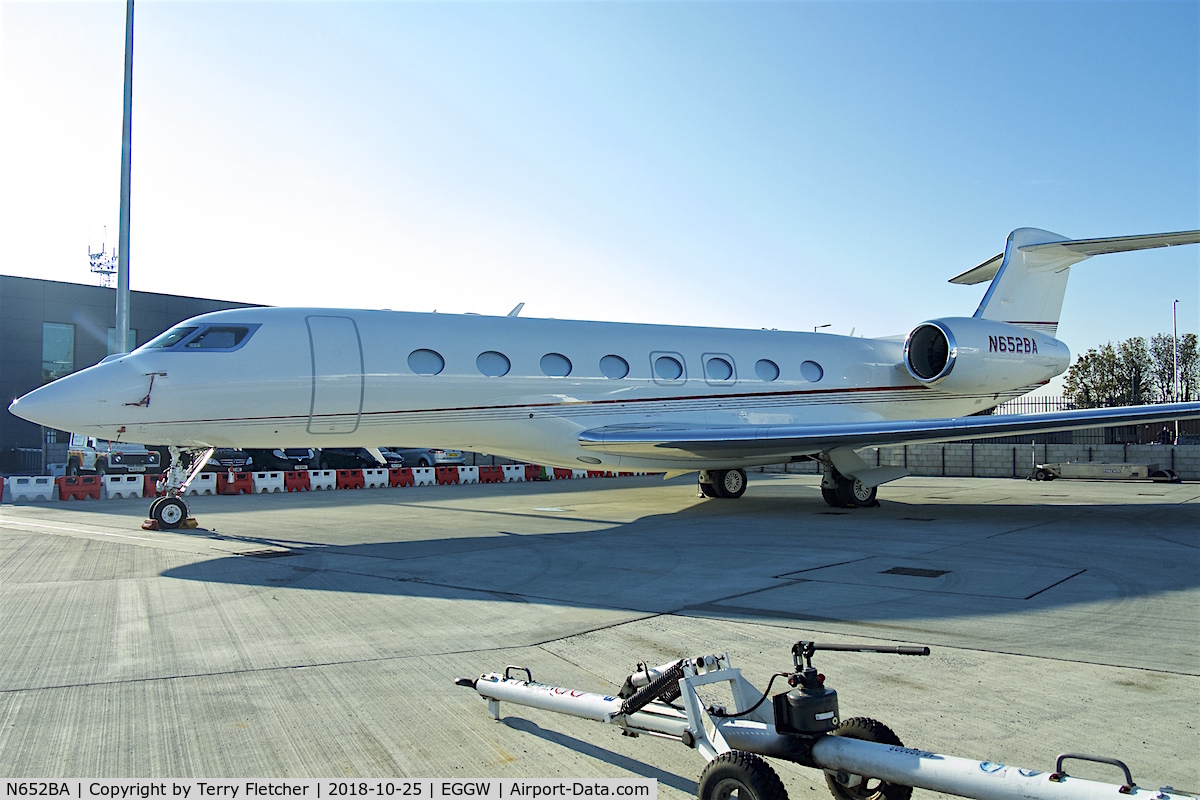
[(862, 758), (101, 456), (1095, 470)]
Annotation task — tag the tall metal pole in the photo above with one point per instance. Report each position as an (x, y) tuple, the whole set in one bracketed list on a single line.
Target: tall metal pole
[(123, 344), (1175, 361)]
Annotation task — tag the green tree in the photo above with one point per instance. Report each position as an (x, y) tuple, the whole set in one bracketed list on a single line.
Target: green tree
[(1162, 366), (1189, 368), (1093, 381), (1133, 371)]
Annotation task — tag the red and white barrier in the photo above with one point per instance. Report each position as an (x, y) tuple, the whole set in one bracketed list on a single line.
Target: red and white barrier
[(322, 479), (31, 487), (267, 482), (123, 486), (375, 478)]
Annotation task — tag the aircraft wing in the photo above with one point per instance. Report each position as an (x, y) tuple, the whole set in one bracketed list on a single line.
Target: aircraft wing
[(756, 441)]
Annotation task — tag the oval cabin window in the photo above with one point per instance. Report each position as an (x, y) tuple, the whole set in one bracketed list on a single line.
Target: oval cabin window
[(493, 364), (812, 371), (556, 365), (426, 362), (668, 368), (766, 370), (718, 369), (614, 367)]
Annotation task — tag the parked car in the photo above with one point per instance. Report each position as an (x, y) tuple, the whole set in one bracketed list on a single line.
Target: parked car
[(228, 459), (429, 457), (100, 456), (287, 459), (355, 458), (1187, 439)]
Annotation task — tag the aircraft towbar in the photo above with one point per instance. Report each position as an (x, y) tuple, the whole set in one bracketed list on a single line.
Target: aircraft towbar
[(861, 758)]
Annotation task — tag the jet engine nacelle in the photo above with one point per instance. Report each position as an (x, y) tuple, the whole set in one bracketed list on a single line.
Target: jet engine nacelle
[(965, 354)]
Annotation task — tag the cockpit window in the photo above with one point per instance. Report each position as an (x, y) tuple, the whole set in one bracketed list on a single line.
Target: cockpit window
[(218, 337), (207, 338), (171, 337)]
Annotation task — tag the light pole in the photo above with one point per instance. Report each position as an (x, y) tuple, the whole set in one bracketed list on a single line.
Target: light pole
[(122, 345), (1175, 362)]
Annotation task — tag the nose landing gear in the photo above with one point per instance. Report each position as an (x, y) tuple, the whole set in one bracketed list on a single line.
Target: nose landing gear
[(170, 511)]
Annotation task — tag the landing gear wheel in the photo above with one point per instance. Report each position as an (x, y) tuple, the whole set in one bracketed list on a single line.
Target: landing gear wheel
[(729, 483), (742, 774), (861, 787), (854, 494), (154, 504), (168, 512), (831, 496), (708, 490)]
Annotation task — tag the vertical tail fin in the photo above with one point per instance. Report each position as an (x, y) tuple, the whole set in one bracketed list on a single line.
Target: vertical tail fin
[(1029, 280)]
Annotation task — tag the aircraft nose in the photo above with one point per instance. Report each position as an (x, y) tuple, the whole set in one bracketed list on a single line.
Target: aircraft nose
[(76, 402), (56, 405)]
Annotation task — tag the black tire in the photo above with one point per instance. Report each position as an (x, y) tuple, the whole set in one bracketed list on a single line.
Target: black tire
[(324, 465), (708, 490), (169, 513), (854, 495), (832, 497), (1043, 475), (154, 504), (867, 730), (424, 462), (744, 774), (73, 467), (101, 468), (729, 484)]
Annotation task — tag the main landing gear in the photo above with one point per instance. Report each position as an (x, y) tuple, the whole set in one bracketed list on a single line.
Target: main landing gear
[(840, 491), (728, 484), (170, 511)]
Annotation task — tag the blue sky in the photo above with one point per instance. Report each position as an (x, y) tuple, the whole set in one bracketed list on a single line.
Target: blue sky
[(783, 164)]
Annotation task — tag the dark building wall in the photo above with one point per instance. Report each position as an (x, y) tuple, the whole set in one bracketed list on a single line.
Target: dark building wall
[(26, 303)]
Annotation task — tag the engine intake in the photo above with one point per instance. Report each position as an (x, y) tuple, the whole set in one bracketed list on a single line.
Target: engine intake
[(965, 354)]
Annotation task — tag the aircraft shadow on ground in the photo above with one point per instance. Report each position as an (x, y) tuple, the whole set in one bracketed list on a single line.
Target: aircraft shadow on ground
[(774, 557)]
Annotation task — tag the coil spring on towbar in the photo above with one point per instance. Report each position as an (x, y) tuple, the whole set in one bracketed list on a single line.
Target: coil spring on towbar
[(662, 685)]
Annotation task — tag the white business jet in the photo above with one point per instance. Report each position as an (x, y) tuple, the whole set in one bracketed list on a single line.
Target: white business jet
[(602, 395)]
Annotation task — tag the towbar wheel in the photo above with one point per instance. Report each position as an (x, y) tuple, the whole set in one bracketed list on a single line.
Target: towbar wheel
[(740, 775), (861, 787)]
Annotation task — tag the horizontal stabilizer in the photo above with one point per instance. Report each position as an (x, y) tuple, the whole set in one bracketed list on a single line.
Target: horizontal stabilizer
[(1082, 247), (784, 441)]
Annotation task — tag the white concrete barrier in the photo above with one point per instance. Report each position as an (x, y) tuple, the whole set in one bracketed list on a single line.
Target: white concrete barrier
[(514, 473), (424, 476), (123, 485), (204, 483), (468, 474), (266, 482), (375, 478), (579, 473), (31, 487), (322, 479)]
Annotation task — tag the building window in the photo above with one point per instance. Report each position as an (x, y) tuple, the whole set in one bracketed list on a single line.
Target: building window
[(58, 350), (112, 341)]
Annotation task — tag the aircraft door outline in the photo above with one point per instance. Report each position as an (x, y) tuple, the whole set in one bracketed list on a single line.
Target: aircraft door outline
[(335, 347)]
